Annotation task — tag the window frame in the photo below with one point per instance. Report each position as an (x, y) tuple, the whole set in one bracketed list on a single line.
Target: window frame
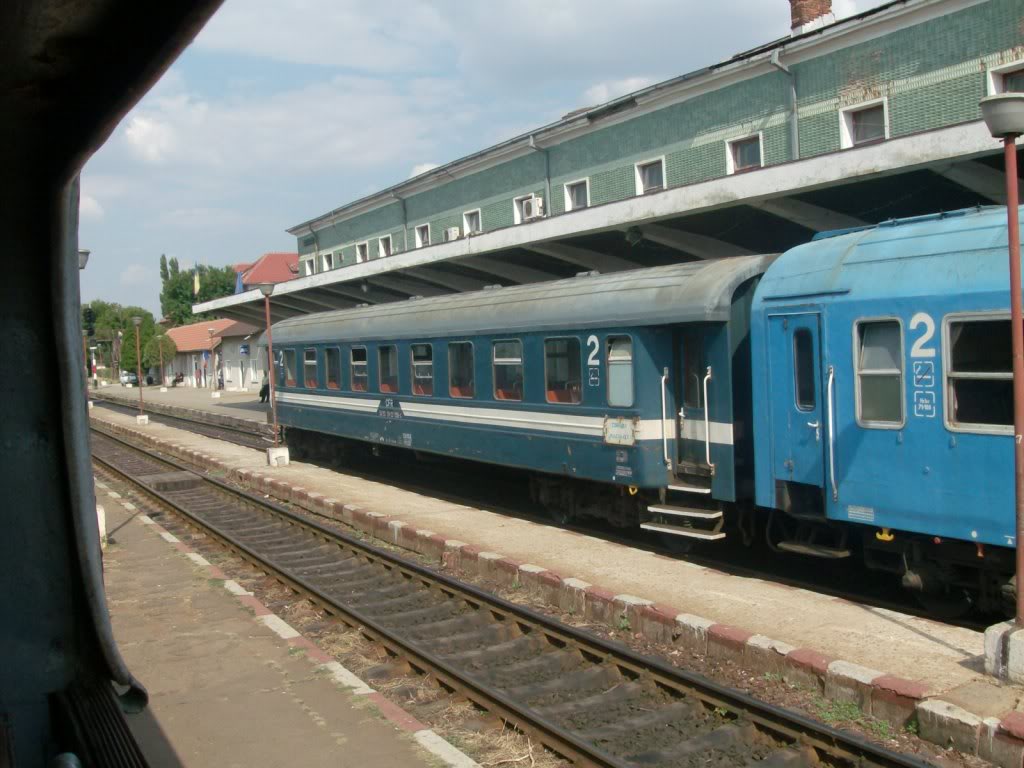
[(796, 374), (284, 367), (517, 207), (466, 232), (568, 197), (412, 367), (890, 425), (380, 247), (994, 82), (352, 368), (947, 362), (363, 248), (730, 153), (495, 364), (327, 369), (316, 367), (608, 365), (381, 349), (544, 347), (472, 360), (309, 267), (638, 176), (327, 261), (846, 122), (418, 235)]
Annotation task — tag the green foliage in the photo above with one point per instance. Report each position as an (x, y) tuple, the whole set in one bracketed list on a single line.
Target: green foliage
[(151, 353), (146, 332), (177, 294)]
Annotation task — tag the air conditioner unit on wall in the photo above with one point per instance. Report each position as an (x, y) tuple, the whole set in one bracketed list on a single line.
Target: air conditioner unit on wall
[(452, 233), (533, 208)]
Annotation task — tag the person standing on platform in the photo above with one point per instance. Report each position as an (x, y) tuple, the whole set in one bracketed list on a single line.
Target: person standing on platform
[(265, 389)]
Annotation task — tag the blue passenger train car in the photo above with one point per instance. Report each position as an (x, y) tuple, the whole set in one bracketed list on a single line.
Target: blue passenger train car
[(849, 398)]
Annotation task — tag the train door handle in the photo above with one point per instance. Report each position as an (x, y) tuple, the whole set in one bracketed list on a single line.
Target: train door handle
[(816, 426)]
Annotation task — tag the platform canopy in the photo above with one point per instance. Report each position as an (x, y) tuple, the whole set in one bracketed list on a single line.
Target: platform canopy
[(766, 211)]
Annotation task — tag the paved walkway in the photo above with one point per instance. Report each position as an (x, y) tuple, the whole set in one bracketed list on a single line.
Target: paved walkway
[(948, 659), (241, 405), (224, 689)]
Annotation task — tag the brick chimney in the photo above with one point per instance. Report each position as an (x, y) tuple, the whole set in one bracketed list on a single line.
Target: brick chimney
[(810, 14)]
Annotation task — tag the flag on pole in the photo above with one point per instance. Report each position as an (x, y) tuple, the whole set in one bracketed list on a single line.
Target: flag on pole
[(195, 283)]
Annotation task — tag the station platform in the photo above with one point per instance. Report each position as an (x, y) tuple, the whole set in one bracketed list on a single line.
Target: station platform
[(851, 650), (240, 405), (227, 687)]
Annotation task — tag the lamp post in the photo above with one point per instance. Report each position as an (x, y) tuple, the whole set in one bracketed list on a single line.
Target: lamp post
[(137, 321), (1004, 116), (160, 346), (209, 363), (83, 259), (267, 289)]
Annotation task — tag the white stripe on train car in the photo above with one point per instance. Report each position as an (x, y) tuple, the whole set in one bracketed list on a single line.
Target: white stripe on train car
[(593, 426)]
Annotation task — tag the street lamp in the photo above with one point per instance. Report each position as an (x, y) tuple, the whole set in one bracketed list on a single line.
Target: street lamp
[(160, 346), (267, 289), (1004, 116), (209, 363), (137, 321), (83, 259)]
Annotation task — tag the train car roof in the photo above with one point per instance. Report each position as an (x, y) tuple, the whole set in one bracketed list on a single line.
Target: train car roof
[(692, 292), (954, 252)]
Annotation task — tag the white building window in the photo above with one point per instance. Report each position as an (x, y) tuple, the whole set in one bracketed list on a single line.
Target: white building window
[(1006, 78), (307, 267), (422, 235), (471, 222), (650, 176), (577, 195), (328, 262), (384, 247), (520, 205), (743, 154), (362, 252), (864, 124)]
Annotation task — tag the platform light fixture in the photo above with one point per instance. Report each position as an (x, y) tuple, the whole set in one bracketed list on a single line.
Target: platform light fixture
[(1004, 116), (267, 289), (209, 363), (83, 258), (137, 321)]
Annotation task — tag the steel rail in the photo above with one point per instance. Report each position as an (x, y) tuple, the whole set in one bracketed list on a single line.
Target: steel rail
[(785, 725)]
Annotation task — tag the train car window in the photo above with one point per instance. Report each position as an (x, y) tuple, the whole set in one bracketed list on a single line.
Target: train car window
[(879, 373), (332, 357), (803, 369), (360, 377), (309, 372), (422, 369), (289, 367), (693, 370), (508, 370), (387, 368), (980, 375), (620, 371), (460, 369), (562, 371)]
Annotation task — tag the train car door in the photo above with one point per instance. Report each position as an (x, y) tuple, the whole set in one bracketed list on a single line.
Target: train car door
[(794, 369), (691, 458)]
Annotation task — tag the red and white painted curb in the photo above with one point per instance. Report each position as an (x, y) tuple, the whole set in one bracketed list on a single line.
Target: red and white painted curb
[(886, 697), (343, 677)]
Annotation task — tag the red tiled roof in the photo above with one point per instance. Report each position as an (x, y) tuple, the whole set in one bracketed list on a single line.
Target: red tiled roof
[(272, 268), (196, 337)]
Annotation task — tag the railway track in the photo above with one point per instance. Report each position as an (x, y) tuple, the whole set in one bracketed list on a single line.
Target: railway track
[(592, 701), (257, 436)]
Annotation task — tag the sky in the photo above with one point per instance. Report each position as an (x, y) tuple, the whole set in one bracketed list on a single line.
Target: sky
[(279, 112)]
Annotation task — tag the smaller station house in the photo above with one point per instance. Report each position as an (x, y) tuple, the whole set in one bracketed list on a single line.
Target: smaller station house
[(226, 347), (275, 267)]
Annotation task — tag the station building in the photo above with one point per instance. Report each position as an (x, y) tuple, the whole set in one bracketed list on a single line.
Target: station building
[(214, 350), (839, 125)]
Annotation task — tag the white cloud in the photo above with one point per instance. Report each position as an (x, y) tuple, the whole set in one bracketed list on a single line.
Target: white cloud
[(149, 138), (136, 275), (611, 89), (89, 207), (422, 168)]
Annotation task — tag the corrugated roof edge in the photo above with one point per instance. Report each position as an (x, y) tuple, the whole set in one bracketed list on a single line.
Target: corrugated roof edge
[(592, 113)]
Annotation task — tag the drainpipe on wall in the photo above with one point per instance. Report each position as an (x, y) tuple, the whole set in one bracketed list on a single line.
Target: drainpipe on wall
[(547, 172), (405, 223), (794, 127)]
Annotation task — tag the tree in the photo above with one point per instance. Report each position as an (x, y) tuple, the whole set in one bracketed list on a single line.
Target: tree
[(177, 293), (159, 341), (146, 331)]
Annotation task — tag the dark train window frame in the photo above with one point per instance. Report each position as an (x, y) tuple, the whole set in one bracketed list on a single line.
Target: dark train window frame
[(327, 368), (412, 368), (305, 368), (507, 362), (608, 368), (799, 375), (352, 368), (284, 368), (858, 373), (472, 368), (693, 339), (948, 375), (392, 388), (547, 389)]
